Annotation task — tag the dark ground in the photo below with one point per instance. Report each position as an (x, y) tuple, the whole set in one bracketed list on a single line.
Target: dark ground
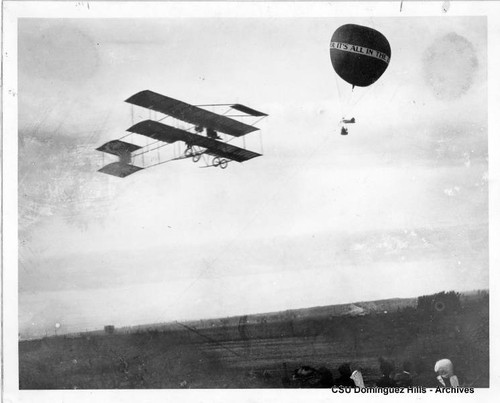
[(252, 355)]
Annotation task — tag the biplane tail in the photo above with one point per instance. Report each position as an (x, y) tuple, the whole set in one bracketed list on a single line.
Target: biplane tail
[(123, 151), (119, 169)]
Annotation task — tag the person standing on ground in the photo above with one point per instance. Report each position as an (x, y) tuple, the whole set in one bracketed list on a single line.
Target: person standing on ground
[(446, 377), (405, 379), (345, 376), (387, 369)]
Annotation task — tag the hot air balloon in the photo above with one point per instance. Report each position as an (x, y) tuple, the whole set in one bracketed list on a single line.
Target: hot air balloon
[(359, 55)]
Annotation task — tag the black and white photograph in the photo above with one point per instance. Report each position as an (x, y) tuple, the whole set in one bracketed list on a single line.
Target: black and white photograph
[(249, 196)]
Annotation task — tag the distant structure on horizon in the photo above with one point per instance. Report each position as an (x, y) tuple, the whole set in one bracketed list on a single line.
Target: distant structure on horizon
[(109, 329)]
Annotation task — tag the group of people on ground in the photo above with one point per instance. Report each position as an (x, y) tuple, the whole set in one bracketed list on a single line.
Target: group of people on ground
[(352, 377)]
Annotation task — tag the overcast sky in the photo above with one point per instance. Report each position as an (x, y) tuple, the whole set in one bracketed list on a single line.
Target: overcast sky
[(397, 208)]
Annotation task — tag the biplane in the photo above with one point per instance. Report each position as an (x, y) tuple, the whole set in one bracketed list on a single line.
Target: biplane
[(205, 134)]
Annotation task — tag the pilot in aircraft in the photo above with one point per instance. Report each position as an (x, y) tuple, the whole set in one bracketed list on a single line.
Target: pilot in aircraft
[(212, 134)]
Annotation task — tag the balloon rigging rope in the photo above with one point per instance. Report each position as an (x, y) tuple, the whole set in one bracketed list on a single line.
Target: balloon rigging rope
[(349, 103), (341, 98), (353, 102)]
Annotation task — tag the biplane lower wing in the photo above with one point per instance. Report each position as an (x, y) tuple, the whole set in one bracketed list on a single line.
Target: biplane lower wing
[(168, 134)]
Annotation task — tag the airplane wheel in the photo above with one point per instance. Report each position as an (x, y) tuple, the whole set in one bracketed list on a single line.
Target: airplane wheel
[(216, 161), (196, 157), (188, 152), (223, 164)]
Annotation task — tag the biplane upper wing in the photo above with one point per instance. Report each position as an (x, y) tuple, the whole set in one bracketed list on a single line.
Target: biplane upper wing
[(162, 132), (190, 113)]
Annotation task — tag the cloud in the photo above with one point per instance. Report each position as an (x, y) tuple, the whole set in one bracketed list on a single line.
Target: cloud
[(452, 191)]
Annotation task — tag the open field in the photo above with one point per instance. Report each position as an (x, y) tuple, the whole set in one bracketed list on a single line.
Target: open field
[(250, 353)]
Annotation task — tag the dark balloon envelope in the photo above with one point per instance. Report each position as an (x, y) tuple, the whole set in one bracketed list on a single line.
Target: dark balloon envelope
[(359, 54)]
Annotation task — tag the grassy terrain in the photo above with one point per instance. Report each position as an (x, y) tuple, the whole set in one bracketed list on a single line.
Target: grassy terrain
[(250, 352)]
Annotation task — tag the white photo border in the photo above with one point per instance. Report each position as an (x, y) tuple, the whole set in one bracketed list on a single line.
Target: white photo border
[(14, 10)]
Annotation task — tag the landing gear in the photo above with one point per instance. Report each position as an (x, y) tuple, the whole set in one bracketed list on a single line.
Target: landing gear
[(193, 154), (219, 162)]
